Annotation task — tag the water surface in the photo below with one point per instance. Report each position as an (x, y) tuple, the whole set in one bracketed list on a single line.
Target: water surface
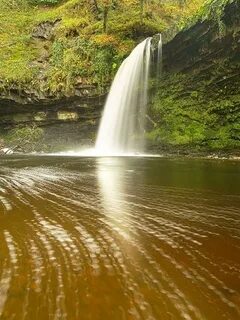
[(119, 238)]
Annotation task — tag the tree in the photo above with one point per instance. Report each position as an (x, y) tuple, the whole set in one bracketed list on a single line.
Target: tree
[(142, 3), (182, 3), (102, 8), (141, 8)]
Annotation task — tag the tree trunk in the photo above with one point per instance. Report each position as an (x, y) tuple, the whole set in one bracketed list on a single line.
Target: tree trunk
[(141, 9), (105, 18), (96, 7)]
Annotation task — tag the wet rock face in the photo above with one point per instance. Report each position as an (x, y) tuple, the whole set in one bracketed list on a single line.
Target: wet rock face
[(205, 42), (45, 30), (66, 123), (196, 105), (30, 96)]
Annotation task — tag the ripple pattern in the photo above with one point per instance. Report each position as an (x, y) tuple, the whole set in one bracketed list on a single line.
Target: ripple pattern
[(104, 244)]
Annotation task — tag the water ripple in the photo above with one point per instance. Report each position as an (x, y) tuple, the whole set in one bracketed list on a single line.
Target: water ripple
[(99, 244)]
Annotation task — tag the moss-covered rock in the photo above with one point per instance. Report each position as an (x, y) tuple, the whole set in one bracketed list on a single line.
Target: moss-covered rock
[(197, 105)]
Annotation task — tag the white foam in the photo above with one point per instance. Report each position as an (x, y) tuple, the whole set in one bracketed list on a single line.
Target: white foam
[(96, 153)]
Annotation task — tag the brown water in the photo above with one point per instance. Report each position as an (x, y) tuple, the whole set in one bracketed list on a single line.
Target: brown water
[(120, 238)]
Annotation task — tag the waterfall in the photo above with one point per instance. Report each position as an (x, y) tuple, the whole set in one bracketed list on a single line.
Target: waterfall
[(122, 126), (159, 58)]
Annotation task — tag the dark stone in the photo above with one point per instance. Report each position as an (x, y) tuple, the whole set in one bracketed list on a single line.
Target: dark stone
[(203, 43), (45, 30), (66, 122)]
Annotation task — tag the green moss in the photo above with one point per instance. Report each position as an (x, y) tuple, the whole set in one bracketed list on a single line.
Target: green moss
[(79, 47), (191, 111), (210, 10), (27, 139)]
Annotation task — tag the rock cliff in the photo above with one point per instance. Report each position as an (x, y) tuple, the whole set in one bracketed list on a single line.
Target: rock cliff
[(197, 104)]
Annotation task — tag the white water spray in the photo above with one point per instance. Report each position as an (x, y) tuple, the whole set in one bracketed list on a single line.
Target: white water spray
[(122, 127)]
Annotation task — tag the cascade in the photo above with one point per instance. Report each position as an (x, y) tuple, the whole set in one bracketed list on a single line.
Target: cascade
[(122, 126), (159, 58)]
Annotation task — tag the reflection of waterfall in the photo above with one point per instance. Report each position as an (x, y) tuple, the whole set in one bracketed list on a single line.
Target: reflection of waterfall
[(112, 181), (122, 126), (110, 177), (113, 185)]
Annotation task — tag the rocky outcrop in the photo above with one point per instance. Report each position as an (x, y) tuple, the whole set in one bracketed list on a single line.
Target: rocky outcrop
[(205, 42), (197, 106), (45, 30), (26, 96), (69, 122)]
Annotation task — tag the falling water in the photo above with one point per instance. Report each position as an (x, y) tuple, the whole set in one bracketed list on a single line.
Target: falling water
[(122, 127), (159, 57)]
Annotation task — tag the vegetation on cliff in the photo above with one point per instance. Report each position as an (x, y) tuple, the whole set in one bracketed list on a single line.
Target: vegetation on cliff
[(54, 47), (196, 107)]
